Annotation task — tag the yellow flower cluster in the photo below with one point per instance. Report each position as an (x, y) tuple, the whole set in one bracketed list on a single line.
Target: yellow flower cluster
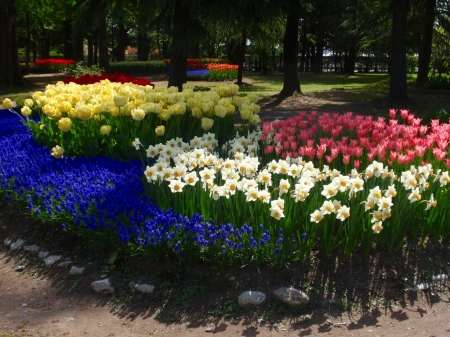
[(88, 101)]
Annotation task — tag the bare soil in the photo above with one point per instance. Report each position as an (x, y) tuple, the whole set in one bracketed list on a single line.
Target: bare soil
[(350, 295)]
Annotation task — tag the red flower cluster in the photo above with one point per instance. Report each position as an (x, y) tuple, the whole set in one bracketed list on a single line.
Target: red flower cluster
[(116, 77), (53, 62)]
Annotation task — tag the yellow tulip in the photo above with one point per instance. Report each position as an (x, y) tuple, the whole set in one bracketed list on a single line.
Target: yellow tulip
[(105, 130), (160, 130), (65, 124)]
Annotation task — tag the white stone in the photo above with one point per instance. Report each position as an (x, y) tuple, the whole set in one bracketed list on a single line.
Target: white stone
[(144, 288), (43, 255), (51, 259), (291, 296), (422, 286), (102, 286), (76, 270), (64, 264), (32, 248), (7, 242), (251, 297), (440, 277), (17, 244)]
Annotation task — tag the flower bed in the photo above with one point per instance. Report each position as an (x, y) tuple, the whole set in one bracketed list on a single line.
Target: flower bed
[(116, 78), (262, 206), (105, 118), (50, 65)]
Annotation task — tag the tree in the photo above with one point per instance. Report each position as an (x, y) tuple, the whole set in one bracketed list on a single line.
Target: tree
[(398, 86), (10, 74), (426, 41), (291, 83)]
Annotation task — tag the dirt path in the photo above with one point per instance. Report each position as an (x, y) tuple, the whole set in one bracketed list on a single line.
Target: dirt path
[(366, 296)]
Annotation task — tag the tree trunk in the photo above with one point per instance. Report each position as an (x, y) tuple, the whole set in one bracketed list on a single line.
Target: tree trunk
[(178, 53), (103, 52), (241, 58), (318, 62), (78, 51), (121, 43), (28, 45), (301, 68), (68, 45), (90, 50), (351, 59), (9, 57), (398, 87), (291, 83), (426, 42), (143, 46)]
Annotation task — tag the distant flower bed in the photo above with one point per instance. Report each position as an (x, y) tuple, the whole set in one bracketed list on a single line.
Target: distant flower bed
[(116, 77), (205, 70), (214, 72), (51, 65), (53, 62)]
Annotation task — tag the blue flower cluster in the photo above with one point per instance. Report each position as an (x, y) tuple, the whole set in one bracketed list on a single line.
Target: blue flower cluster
[(101, 194), (197, 73)]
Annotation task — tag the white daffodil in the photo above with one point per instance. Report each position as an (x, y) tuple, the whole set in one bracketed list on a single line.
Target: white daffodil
[(151, 174), (265, 178), (191, 178), (278, 202), (343, 213), (276, 212), (390, 192), (264, 196), (377, 227), (414, 195), (329, 190), (342, 182), (152, 152), (176, 185), (284, 186), (167, 174), (327, 207), (216, 192), (251, 194), (300, 193), (316, 216), (385, 202)]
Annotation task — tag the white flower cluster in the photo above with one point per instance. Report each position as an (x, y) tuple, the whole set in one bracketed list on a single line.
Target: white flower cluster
[(194, 163)]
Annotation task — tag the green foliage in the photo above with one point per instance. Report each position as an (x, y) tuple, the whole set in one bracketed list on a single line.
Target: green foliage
[(138, 67), (83, 69), (438, 82)]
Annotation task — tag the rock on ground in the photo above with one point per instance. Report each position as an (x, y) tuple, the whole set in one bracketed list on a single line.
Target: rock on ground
[(251, 298), (102, 286), (291, 296), (51, 259), (144, 288), (17, 244)]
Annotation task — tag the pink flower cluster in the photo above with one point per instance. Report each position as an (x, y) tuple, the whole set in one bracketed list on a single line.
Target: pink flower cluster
[(355, 137)]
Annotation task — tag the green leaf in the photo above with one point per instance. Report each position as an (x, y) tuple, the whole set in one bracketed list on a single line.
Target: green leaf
[(113, 257)]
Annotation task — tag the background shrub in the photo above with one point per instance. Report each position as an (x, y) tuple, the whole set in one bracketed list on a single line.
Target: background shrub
[(138, 67)]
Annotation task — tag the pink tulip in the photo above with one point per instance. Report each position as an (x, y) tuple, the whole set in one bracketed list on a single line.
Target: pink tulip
[(392, 113), (404, 113), (420, 150), (268, 149), (439, 154), (356, 164), (346, 159)]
